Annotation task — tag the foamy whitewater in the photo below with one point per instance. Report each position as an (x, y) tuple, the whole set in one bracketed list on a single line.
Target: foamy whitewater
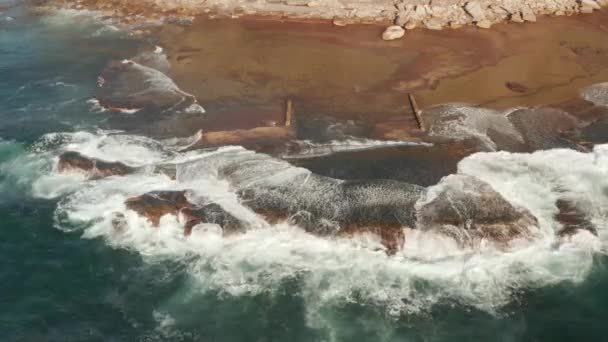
[(332, 270), (78, 266)]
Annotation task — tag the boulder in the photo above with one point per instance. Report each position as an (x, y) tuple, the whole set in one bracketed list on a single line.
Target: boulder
[(433, 24), (528, 15), (474, 9), (485, 24), (410, 25), (590, 4), (517, 18), (393, 32)]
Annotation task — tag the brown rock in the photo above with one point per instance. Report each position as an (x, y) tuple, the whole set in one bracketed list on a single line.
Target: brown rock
[(516, 87), (93, 168), (156, 204)]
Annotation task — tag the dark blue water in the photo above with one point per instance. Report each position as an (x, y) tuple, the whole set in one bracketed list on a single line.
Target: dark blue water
[(61, 286)]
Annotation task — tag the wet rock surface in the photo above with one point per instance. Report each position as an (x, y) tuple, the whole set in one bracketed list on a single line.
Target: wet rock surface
[(572, 219), (470, 210), (544, 128), (154, 205), (93, 168)]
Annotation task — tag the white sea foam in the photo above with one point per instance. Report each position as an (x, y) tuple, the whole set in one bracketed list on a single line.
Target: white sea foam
[(308, 149), (597, 94), (429, 270), (457, 121)]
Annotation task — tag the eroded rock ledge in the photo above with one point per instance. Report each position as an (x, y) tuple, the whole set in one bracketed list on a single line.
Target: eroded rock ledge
[(409, 14)]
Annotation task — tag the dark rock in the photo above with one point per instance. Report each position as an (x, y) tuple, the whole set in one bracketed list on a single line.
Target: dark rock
[(470, 210), (93, 168), (516, 87), (544, 128), (156, 204), (212, 213), (572, 219)]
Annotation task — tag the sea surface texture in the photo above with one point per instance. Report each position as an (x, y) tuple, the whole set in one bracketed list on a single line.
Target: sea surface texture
[(67, 274)]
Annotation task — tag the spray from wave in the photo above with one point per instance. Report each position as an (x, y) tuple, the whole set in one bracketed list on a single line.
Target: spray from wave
[(432, 269)]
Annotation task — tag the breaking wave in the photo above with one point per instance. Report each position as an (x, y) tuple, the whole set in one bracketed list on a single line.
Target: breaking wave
[(432, 269), (309, 149)]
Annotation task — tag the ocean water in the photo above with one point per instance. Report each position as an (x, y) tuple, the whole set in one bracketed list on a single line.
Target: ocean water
[(67, 275)]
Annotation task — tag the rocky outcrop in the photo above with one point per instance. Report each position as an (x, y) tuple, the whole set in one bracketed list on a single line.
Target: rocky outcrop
[(471, 211), (154, 205), (460, 206), (94, 168), (409, 14), (91, 167)]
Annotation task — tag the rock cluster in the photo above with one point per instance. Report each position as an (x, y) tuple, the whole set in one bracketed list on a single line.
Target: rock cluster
[(483, 13), (408, 14)]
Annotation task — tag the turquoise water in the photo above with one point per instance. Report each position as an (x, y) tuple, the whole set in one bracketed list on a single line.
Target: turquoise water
[(63, 282)]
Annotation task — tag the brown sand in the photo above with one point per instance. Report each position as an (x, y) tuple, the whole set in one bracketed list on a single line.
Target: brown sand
[(237, 65)]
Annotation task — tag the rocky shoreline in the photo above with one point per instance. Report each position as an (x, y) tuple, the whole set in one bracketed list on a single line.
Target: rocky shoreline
[(403, 14)]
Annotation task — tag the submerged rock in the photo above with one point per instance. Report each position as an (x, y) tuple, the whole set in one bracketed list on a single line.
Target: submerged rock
[(153, 59), (543, 128), (130, 85), (470, 211), (490, 130)]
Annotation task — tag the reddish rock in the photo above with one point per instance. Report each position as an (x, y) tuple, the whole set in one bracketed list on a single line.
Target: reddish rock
[(156, 204), (93, 168)]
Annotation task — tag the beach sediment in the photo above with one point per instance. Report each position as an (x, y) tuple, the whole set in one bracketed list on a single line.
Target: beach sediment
[(409, 14)]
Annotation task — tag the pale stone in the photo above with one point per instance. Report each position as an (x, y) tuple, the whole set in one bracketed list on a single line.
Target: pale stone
[(528, 15), (339, 22), (393, 32), (455, 25), (586, 9), (410, 25), (420, 12), (485, 24), (402, 18), (473, 8), (590, 3), (433, 24), (516, 18)]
